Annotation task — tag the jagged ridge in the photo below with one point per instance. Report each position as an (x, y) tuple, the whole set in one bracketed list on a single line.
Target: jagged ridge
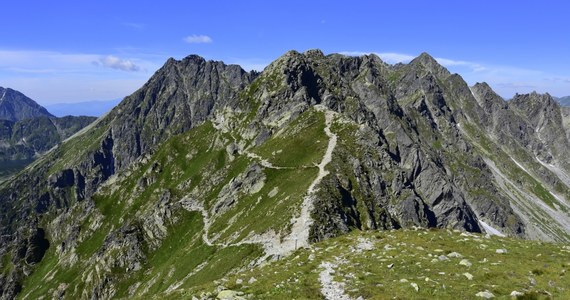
[(207, 147)]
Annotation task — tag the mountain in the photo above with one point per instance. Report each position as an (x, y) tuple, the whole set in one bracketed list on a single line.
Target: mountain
[(208, 170), (28, 130), (15, 106), (88, 108), (564, 101)]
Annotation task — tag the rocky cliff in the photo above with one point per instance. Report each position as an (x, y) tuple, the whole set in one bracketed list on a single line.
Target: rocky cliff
[(208, 169)]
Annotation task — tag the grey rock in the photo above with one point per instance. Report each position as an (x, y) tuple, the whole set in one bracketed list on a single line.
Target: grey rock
[(485, 294), (230, 295), (454, 255), (465, 262), (516, 294)]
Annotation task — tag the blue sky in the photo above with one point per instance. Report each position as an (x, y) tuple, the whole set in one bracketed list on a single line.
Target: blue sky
[(71, 51)]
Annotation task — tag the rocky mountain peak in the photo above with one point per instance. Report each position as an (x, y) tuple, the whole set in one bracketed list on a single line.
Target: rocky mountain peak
[(487, 98), (15, 106), (534, 103), (314, 53), (430, 64), (483, 86)]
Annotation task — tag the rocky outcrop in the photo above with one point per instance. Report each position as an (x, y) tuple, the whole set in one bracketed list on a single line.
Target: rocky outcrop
[(545, 117)]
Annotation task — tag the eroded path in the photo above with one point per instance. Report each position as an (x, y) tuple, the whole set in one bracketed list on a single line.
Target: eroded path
[(271, 241)]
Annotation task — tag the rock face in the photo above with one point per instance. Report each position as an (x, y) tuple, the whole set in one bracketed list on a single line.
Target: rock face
[(207, 157)]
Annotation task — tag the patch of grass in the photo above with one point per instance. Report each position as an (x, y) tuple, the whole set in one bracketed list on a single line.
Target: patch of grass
[(303, 143), (6, 264), (178, 261), (400, 258), (48, 275), (268, 212)]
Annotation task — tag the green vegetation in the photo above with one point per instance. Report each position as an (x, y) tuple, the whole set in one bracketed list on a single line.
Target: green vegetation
[(177, 261), (301, 144), (6, 264), (188, 217), (387, 265), (181, 258), (294, 154)]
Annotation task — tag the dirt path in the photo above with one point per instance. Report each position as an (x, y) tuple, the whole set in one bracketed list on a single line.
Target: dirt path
[(299, 236), (302, 224), (331, 289)]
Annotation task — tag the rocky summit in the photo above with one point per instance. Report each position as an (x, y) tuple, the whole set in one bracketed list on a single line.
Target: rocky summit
[(15, 106), (208, 173)]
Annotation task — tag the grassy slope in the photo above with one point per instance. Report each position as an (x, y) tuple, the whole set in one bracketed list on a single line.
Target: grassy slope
[(178, 167), (400, 258)]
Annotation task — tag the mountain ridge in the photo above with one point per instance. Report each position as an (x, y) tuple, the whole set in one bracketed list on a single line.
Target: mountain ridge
[(202, 144), (564, 101), (15, 106)]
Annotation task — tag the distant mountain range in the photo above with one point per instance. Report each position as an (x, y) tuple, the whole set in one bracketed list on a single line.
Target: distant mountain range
[(89, 108), (564, 101), (28, 130)]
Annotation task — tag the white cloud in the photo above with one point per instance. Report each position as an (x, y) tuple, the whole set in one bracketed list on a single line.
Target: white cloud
[(27, 61), (452, 63), (516, 85), (52, 77), (198, 39), (114, 62), (30, 59)]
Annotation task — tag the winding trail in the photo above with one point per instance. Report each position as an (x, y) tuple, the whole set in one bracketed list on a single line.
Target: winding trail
[(302, 224), (273, 244), (331, 289), (264, 162), (271, 241)]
